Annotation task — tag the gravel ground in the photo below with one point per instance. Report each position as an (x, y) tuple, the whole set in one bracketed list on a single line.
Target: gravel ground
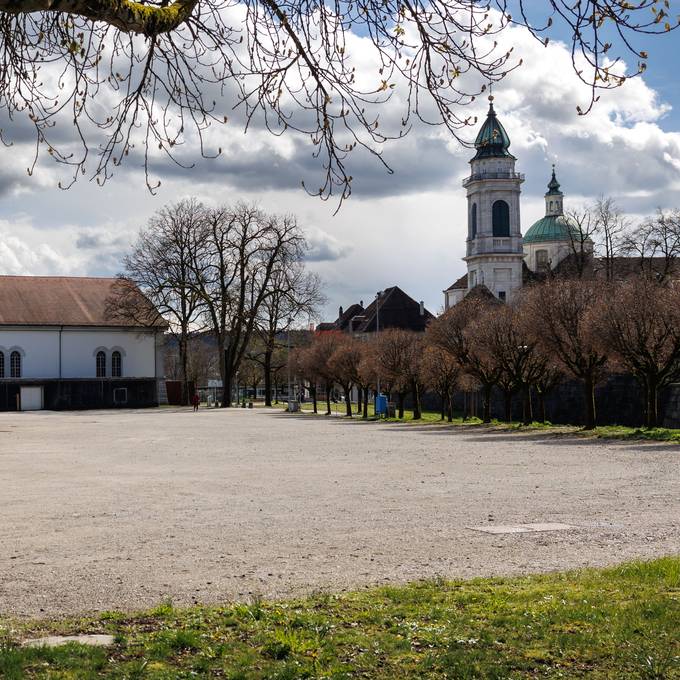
[(105, 510)]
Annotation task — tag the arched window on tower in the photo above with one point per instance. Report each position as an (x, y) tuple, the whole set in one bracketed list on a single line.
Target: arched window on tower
[(473, 221), (15, 365), (2, 364), (116, 365), (500, 219), (101, 364)]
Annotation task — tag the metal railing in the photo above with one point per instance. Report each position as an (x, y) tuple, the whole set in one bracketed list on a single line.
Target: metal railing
[(493, 175)]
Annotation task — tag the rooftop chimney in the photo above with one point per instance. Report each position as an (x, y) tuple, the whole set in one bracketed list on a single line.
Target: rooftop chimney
[(422, 308), (361, 303), (339, 312)]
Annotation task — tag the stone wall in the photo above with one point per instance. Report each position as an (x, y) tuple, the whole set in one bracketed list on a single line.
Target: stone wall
[(619, 400)]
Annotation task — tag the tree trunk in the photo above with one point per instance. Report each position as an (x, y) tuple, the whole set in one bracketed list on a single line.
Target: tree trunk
[(184, 363), (348, 401), (358, 399), (401, 405), (652, 401), (507, 400), (328, 399), (527, 414), (541, 406), (442, 399), (589, 394), (227, 383), (487, 404), (268, 377), (449, 407), (365, 402), (415, 391), (312, 389), (225, 372)]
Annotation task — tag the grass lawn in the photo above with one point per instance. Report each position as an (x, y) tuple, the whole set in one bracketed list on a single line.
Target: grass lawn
[(622, 622), (434, 417)]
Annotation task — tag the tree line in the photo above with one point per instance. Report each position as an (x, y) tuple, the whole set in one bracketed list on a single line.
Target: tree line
[(579, 329), (602, 227)]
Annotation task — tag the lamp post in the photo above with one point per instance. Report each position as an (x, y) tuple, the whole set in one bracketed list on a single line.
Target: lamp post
[(290, 321), (377, 330)]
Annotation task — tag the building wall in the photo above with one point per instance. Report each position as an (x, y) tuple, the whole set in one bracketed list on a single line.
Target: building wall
[(70, 353)]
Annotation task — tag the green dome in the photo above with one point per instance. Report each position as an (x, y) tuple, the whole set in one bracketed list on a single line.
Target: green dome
[(550, 228), (492, 140)]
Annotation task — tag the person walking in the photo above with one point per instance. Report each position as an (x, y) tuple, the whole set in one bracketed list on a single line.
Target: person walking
[(195, 400)]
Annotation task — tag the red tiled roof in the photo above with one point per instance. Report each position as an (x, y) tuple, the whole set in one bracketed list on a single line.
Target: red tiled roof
[(67, 301)]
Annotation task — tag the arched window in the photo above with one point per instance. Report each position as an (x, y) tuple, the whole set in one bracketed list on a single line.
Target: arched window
[(101, 364), (2, 364), (551, 206), (473, 221), (542, 263), (500, 219), (116, 364), (15, 365)]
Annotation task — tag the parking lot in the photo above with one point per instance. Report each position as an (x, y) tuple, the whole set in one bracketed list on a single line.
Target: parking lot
[(123, 509)]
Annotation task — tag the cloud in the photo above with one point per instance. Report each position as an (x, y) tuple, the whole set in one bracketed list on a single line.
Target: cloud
[(323, 247), (406, 228)]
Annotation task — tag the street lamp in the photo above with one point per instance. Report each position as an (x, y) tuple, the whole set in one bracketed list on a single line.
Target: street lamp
[(290, 321), (377, 330)]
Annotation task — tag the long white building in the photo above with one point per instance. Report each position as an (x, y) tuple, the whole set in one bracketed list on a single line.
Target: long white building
[(62, 347)]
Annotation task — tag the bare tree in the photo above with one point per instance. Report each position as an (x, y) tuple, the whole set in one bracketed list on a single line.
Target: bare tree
[(582, 232), (455, 332), (441, 372), (160, 265), (612, 227), (640, 322), (240, 249), (398, 353), (316, 361), (128, 77), (301, 364), (563, 320), (293, 293), (344, 365), (656, 241)]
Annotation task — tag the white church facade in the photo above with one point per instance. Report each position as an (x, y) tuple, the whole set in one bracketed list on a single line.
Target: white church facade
[(497, 256), (61, 348)]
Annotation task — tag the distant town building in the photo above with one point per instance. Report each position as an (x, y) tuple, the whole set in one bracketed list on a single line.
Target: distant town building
[(60, 347), (392, 308)]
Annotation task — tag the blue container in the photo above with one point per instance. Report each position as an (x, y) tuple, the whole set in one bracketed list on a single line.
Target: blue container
[(381, 405)]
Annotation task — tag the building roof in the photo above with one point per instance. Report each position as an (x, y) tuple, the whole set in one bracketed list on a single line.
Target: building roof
[(553, 185), (492, 140), (73, 301), (396, 310), (343, 321), (459, 284), (551, 228), (619, 267)]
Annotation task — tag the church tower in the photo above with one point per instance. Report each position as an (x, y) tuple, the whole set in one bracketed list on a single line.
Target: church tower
[(494, 243)]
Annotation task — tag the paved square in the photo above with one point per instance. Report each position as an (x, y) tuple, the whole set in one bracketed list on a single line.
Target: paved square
[(106, 510)]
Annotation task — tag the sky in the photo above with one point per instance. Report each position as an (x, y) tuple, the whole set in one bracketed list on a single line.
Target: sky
[(407, 228)]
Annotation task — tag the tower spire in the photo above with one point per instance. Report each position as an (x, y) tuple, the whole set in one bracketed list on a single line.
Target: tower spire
[(492, 140)]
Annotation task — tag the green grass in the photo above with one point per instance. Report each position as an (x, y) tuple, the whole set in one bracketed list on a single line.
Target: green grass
[(622, 622), (662, 434)]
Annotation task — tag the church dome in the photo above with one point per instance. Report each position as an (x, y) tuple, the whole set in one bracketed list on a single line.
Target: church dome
[(550, 228)]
